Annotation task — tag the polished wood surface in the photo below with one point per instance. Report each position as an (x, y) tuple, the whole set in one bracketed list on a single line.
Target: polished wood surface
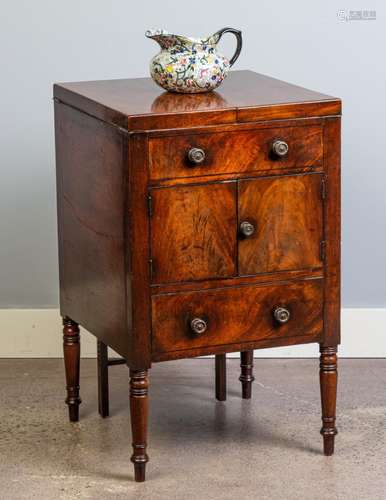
[(138, 104), (139, 412), (221, 377), (103, 379), (238, 314), (328, 388), (236, 281), (235, 152), (191, 236), (90, 197), (332, 231), (71, 353), (207, 350), (246, 376), (138, 272), (154, 257), (287, 213)]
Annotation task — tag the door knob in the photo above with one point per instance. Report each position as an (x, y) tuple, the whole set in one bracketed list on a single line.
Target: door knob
[(281, 315), (247, 228), (279, 148), (198, 326), (196, 156)]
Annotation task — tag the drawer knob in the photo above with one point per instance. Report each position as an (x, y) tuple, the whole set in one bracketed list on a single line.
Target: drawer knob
[(281, 315), (247, 229), (196, 156), (279, 148), (198, 326)]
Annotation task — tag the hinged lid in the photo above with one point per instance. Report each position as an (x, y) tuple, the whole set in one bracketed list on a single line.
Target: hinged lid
[(138, 104)]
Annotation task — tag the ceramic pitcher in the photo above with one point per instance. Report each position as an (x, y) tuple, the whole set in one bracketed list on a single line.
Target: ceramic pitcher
[(190, 65)]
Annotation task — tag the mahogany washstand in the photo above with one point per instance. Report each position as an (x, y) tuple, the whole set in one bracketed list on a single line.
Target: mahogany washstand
[(197, 224)]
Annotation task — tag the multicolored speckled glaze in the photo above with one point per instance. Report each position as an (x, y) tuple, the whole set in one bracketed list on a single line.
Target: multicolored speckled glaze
[(190, 65)]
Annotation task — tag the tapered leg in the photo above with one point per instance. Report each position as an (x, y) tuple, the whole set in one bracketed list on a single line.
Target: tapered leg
[(328, 386), (221, 377), (103, 379), (71, 350), (139, 410), (246, 377)]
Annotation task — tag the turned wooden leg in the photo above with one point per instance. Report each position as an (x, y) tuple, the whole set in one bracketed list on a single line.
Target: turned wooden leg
[(246, 377), (328, 386), (103, 379), (139, 409), (71, 350), (221, 377)]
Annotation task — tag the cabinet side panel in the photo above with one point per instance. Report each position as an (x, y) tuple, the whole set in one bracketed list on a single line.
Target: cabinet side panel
[(332, 146), (91, 166)]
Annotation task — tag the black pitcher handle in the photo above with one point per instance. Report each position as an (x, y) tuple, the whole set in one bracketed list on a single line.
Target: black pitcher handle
[(239, 39)]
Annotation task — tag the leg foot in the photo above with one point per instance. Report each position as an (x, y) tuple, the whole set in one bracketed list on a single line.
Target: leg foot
[(103, 379), (71, 350), (139, 472), (139, 409), (246, 377), (221, 377), (73, 412), (328, 387)]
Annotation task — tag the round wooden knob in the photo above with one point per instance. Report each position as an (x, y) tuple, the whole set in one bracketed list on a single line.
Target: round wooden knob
[(280, 148), (247, 229), (196, 156), (198, 326), (281, 315)]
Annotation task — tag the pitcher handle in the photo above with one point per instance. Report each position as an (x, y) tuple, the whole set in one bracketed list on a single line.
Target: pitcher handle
[(239, 39)]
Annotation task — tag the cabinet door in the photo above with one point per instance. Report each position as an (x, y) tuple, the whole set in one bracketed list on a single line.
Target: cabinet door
[(286, 214), (193, 232)]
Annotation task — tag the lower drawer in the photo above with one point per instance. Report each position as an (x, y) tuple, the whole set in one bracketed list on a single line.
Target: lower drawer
[(246, 313)]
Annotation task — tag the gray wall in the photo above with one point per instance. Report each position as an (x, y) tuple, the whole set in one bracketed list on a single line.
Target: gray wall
[(44, 41)]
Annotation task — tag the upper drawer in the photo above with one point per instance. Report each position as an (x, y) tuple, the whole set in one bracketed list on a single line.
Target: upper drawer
[(234, 152)]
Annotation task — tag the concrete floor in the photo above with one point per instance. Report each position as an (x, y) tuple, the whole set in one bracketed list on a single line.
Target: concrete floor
[(265, 448)]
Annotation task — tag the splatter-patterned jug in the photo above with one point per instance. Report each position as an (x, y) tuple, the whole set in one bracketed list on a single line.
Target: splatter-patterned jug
[(190, 65)]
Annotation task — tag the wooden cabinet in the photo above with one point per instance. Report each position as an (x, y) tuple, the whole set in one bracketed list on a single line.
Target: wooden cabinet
[(192, 225)]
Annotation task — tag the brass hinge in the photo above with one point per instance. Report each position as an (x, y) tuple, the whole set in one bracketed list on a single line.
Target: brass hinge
[(323, 250), (323, 189), (150, 206)]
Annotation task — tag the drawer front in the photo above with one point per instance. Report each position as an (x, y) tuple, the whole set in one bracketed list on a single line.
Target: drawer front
[(234, 152), (248, 313)]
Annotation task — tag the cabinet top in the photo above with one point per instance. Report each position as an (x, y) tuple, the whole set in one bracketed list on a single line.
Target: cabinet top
[(139, 104)]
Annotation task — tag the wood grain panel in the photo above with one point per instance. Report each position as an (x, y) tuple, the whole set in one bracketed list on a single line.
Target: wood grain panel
[(137, 256), (332, 233), (228, 152), (287, 213), (301, 110), (234, 315), (193, 232), (237, 347), (91, 171), (237, 281), (139, 104)]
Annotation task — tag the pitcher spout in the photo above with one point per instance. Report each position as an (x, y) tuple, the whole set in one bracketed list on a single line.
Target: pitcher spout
[(156, 33), (164, 38)]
